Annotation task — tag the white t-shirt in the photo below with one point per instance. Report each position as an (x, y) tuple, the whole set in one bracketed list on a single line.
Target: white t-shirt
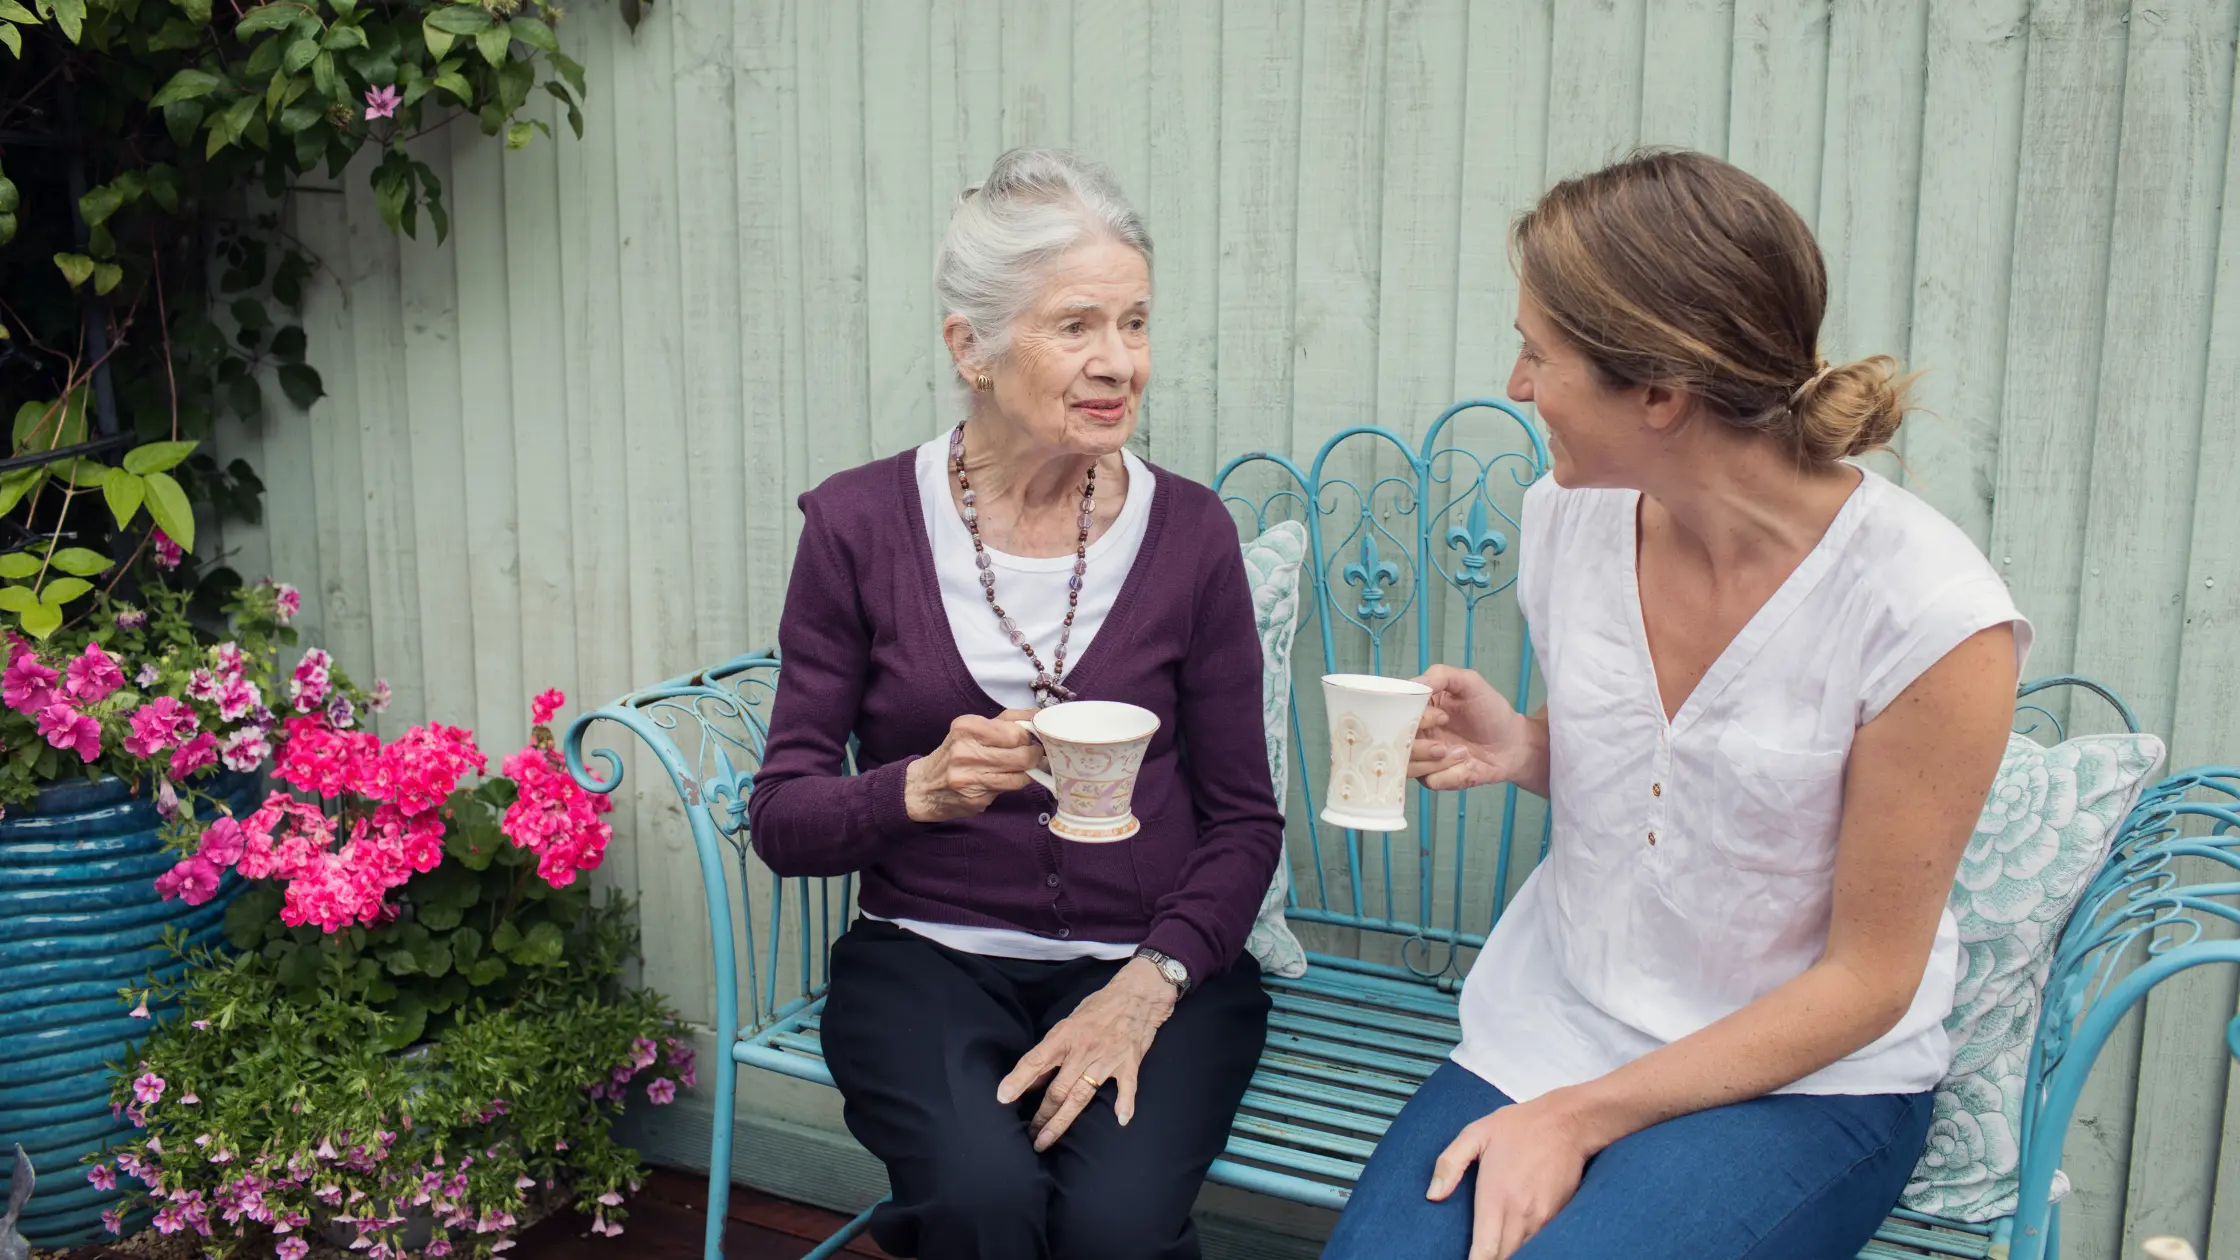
[(1033, 590), (1690, 867)]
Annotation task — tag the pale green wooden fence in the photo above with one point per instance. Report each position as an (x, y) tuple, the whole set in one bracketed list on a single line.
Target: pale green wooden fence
[(564, 448)]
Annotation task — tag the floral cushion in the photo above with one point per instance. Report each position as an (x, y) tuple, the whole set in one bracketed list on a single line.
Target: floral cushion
[(1271, 564), (2042, 836)]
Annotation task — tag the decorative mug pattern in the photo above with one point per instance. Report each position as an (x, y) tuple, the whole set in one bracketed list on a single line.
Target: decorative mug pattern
[(1367, 776), (1092, 773), (1372, 728)]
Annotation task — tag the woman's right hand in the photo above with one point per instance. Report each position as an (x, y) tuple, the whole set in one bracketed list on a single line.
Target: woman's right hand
[(981, 759), (1471, 735)]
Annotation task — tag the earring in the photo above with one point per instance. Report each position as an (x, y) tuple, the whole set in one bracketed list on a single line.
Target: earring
[(984, 382)]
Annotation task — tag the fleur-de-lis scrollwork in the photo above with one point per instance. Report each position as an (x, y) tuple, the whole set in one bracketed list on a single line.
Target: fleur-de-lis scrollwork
[(1479, 543), (1372, 575)]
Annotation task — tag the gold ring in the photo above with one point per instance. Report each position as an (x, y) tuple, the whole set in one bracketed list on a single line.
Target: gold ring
[(1091, 1077)]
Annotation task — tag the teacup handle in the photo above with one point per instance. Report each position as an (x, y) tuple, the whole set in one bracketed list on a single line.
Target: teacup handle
[(1036, 773)]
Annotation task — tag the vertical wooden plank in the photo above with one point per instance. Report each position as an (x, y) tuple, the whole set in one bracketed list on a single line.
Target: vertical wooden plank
[(1111, 110), (1594, 84), (597, 426), (708, 300), (1870, 179), (1181, 200), (322, 220), (900, 230), (1342, 193), (1422, 213), (2162, 261), (769, 336), (1684, 84), (1037, 40), (544, 498), (433, 421), (385, 449), (661, 585), (1963, 239), (832, 236), (478, 250), (2205, 727), (1777, 107), (965, 88), (1260, 101), (2072, 105)]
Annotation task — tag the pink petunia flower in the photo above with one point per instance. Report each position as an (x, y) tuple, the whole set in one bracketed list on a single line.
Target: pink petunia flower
[(194, 881), (93, 675), (377, 700), (292, 1249), (288, 601), (148, 675), (148, 1089), (130, 618), (237, 697), (197, 754), (70, 730), (26, 685), (168, 553), (113, 1220), (245, 749), (222, 841), (204, 686), (662, 1092), (141, 1011), (159, 724), (102, 1176), (230, 662)]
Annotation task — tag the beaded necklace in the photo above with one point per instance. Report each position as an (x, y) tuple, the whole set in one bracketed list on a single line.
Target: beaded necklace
[(1049, 684)]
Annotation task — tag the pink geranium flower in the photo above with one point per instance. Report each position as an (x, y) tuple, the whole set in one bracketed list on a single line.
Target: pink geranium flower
[(70, 730), (93, 675), (545, 705), (26, 685)]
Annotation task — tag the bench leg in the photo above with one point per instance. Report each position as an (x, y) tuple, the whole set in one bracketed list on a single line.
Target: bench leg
[(719, 1148), (838, 1242)]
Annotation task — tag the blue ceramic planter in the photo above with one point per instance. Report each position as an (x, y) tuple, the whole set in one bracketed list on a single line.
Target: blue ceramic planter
[(79, 920)]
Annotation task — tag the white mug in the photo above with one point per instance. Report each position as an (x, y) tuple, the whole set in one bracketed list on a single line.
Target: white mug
[(1095, 749), (1373, 724)]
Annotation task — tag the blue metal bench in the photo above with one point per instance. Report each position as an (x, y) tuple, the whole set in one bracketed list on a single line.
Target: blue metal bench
[(1413, 549)]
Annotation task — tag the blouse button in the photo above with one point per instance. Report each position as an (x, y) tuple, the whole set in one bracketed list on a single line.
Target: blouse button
[(1652, 839), (1656, 789)]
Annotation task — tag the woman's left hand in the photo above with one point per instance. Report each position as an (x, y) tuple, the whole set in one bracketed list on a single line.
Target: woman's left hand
[(1104, 1039), (1530, 1159)]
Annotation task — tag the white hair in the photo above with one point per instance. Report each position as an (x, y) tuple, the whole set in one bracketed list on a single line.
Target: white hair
[(1035, 205)]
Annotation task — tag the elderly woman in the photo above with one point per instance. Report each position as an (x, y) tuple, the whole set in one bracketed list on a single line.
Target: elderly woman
[(1044, 1041), (1778, 688)]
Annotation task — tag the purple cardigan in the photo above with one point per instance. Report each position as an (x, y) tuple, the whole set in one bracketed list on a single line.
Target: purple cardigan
[(865, 648)]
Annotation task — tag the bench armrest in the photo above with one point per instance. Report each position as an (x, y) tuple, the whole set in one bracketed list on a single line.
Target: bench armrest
[(2173, 870)]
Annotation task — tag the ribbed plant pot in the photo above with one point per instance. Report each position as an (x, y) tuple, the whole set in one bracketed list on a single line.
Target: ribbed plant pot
[(79, 920)]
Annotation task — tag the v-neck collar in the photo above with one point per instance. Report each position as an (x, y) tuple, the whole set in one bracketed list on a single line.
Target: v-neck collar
[(1747, 641), (975, 696)]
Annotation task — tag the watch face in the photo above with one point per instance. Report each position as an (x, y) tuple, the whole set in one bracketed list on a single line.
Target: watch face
[(1174, 971)]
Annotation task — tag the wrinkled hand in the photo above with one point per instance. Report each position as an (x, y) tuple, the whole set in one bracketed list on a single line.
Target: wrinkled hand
[(1104, 1039), (981, 759), (1470, 735), (1529, 1162)]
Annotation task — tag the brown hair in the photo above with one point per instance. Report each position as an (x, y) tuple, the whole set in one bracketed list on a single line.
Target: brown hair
[(1674, 268)]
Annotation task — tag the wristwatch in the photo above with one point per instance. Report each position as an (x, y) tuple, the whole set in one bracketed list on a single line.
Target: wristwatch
[(1170, 969)]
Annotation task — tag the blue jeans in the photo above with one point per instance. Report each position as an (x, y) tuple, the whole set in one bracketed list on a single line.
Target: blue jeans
[(1785, 1177)]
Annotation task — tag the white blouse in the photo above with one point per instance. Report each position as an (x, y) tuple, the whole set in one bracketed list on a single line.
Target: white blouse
[(1690, 866)]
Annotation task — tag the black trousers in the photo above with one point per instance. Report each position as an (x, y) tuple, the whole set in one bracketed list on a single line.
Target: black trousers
[(918, 1036)]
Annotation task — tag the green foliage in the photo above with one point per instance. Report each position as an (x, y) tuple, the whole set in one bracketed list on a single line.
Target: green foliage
[(298, 1080)]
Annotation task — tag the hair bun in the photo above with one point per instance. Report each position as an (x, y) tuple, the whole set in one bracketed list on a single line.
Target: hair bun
[(1849, 409)]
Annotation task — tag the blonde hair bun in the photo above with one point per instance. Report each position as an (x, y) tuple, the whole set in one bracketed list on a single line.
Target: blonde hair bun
[(1851, 409)]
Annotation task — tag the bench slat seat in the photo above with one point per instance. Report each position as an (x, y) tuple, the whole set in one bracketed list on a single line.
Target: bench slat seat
[(1410, 559)]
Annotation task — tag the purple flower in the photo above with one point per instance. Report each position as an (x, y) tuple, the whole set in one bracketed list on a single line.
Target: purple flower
[(341, 714), (148, 1088), (378, 700), (381, 102), (292, 1249), (130, 618), (113, 1220), (662, 1092), (148, 673), (168, 556), (102, 1176)]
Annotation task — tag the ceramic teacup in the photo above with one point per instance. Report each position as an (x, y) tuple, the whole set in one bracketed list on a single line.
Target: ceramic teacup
[(1372, 725), (1095, 748)]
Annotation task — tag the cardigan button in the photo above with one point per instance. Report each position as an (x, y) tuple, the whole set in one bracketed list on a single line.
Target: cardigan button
[(1045, 821), (1051, 880), (1064, 933)]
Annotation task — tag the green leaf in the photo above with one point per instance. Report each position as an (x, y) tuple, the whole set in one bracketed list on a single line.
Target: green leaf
[(19, 599), (163, 186), (76, 268), (181, 118), (157, 457), (81, 561), (299, 55), (14, 12), (265, 17), (70, 15), (295, 119), (456, 84), (246, 398), (41, 621), (14, 42), (439, 40), (462, 19), (327, 79), (466, 943), (289, 343), (62, 590), (341, 37), (124, 493), (493, 44), (197, 11), (167, 503), (106, 276), (18, 564), (542, 947), (186, 85), (299, 967), (518, 135), (343, 8), (300, 382), (534, 33), (571, 70), (434, 957), (440, 918), (251, 913), (99, 203), (486, 969), (408, 1020), (506, 938), (44, 426), (400, 962), (18, 483)]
